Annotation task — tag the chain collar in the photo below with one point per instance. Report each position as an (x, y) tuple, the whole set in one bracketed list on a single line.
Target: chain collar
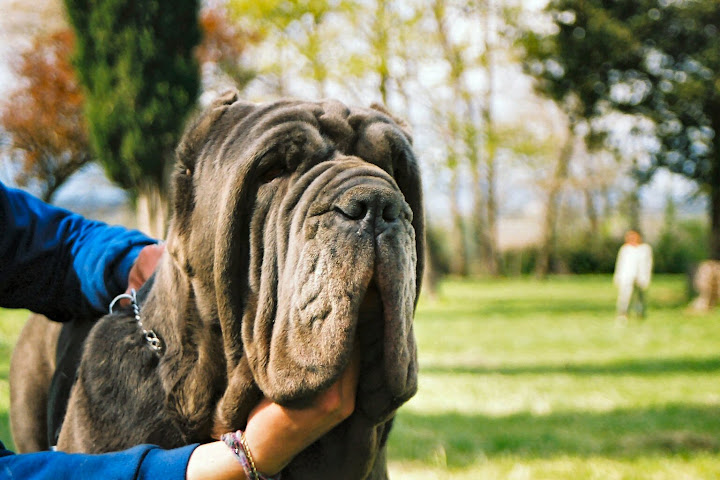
[(151, 337)]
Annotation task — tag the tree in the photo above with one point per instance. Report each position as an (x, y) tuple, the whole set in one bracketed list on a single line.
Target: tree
[(473, 57), (136, 63), (543, 56), (304, 41), (652, 58), (486, 213), (222, 47), (462, 133), (44, 116), (393, 43)]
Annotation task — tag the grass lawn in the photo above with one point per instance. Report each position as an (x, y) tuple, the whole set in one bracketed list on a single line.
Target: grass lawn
[(523, 379), (11, 322)]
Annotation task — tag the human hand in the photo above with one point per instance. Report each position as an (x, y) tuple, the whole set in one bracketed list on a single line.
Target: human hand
[(144, 265), (275, 434)]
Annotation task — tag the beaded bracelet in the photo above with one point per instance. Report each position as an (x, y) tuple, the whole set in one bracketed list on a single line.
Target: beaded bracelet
[(239, 446)]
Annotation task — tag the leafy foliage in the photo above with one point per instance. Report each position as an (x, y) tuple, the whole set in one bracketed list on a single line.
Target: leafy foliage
[(595, 256), (301, 40), (135, 60), (680, 248), (651, 58), (44, 115), (223, 44)]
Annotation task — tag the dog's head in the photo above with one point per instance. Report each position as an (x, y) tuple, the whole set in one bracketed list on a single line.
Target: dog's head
[(301, 228)]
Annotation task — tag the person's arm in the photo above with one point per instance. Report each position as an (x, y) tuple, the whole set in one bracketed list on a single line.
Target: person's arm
[(646, 266), (619, 266), (274, 433), (141, 462), (58, 263)]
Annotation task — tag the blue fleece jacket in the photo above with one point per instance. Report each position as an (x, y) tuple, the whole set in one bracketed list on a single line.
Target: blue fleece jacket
[(141, 462), (64, 266), (58, 263)]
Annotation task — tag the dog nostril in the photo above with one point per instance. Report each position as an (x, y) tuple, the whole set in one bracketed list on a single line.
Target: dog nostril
[(391, 212)]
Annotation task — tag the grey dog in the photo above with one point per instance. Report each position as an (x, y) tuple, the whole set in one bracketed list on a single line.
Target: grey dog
[(297, 231)]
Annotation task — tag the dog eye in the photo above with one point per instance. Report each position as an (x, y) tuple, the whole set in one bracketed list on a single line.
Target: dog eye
[(183, 170), (272, 174)]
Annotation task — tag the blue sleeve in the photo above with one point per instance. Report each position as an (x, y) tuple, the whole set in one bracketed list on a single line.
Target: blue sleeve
[(141, 462), (58, 263)]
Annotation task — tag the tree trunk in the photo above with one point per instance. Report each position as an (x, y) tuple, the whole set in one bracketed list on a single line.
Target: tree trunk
[(493, 250), (591, 211), (491, 242), (152, 211), (381, 40), (549, 234), (462, 128), (460, 254), (479, 215), (606, 202), (433, 270), (715, 205), (51, 187), (634, 209)]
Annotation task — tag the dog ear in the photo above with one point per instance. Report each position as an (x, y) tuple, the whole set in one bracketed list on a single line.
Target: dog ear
[(196, 133), (404, 126), (195, 137)]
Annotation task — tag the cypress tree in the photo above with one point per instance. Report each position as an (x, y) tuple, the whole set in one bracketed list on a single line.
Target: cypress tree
[(135, 60)]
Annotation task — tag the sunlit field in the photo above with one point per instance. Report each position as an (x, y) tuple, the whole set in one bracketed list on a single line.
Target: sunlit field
[(527, 379), (523, 379), (11, 322)]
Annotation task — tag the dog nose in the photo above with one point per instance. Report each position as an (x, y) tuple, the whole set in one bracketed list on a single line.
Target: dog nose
[(373, 206)]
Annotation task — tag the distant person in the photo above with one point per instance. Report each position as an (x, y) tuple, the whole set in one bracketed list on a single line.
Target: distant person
[(633, 270)]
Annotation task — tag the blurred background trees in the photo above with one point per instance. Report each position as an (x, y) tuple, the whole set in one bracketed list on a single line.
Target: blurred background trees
[(44, 118), (545, 129), (657, 62), (141, 81)]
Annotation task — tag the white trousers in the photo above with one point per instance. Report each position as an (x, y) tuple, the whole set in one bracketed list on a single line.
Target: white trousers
[(629, 293)]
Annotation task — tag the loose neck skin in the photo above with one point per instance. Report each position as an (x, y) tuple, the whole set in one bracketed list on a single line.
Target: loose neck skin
[(192, 366)]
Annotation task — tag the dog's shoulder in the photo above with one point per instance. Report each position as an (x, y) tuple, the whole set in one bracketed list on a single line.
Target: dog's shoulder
[(120, 386)]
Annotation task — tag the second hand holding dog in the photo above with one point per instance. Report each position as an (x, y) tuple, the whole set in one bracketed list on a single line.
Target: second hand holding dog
[(275, 434)]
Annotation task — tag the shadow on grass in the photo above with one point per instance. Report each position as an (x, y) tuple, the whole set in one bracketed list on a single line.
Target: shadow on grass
[(527, 298), (512, 309), (630, 367), (462, 440)]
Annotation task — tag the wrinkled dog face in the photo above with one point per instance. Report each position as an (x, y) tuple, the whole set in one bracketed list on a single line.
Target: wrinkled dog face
[(330, 201)]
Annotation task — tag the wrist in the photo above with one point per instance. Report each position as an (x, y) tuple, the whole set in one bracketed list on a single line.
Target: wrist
[(214, 461), (239, 446)]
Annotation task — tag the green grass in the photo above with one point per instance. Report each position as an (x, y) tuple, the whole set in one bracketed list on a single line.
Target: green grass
[(523, 379), (11, 322)]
